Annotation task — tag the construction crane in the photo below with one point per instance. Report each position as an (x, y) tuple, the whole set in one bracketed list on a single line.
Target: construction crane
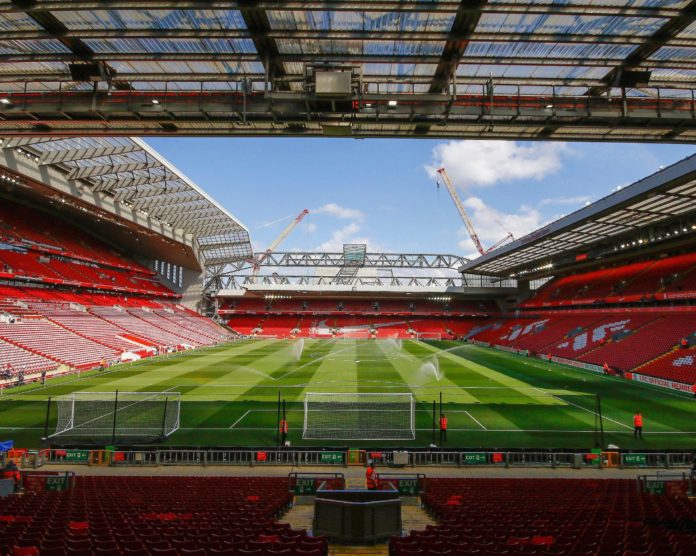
[(465, 217), (258, 261)]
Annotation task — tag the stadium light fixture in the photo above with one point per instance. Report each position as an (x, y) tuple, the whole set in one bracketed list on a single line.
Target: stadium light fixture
[(5, 101), (392, 103), (155, 101)]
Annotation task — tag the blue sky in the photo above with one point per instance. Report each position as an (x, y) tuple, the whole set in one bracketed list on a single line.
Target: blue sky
[(381, 191)]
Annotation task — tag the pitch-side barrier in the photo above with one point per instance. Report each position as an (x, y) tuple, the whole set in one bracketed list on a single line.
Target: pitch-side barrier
[(34, 459)]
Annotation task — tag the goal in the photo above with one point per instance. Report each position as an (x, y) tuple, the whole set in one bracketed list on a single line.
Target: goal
[(359, 416), (123, 415), (428, 336)]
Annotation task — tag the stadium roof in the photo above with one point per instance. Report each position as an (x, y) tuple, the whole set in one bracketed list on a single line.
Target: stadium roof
[(138, 179), (634, 217), (497, 68)]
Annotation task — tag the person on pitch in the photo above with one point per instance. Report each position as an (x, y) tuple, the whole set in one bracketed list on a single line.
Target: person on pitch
[(638, 425), (443, 428), (371, 477), (283, 428)]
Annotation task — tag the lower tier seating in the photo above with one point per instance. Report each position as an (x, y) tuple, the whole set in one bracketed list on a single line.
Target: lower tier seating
[(550, 516), (625, 341), (47, 327), (678, 365), (53, 342), (14, 359), (166, 516)]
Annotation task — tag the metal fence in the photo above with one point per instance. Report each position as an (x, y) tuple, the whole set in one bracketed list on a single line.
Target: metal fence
[(340, 458)]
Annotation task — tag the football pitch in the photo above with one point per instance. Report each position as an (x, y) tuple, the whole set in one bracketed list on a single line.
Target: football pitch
[(492, 399)]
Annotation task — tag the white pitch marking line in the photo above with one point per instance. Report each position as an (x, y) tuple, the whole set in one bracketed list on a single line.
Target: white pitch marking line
[(477, 421), (583, 408), (238, 420)]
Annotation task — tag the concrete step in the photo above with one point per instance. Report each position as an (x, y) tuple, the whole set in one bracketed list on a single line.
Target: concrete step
[(300, 516)]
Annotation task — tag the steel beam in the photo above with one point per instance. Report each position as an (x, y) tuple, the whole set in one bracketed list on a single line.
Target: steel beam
[(109, 169), (442, 6)]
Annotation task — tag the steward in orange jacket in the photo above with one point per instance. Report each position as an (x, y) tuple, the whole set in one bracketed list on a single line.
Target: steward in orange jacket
[(638, 425)]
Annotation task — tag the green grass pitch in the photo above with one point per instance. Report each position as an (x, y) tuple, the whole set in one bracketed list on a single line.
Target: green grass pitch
[(492, 399)]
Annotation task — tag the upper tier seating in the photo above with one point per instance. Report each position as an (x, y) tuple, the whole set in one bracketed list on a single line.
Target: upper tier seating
[(165, 516), (57, 252), (56, 236), (378, 307), (550, 516), (668, 278)]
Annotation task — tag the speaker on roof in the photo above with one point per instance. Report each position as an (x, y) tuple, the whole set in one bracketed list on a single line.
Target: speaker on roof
[(90, 71), (631, 79)]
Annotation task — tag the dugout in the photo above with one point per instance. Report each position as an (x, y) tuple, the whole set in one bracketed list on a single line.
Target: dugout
[(357, 516)]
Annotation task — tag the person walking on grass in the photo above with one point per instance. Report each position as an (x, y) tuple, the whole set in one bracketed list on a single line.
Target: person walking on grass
[(283, 428), (443, 428), (638, 425), (371, 477)]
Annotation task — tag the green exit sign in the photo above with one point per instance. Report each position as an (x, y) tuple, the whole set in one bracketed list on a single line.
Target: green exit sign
[(475, 458), (408, 486), (655, 487), (77, 456), (305, 486), (331, 457), (635, 459)]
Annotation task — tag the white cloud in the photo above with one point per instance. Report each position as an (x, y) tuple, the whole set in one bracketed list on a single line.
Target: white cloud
[(347, 234), (492, 225), (475, 163), (338, 211), (578, 200), (311, 227)]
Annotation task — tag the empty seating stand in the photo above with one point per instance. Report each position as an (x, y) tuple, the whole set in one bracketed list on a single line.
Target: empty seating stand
[(24, 361), (50, 341), (166, 516), (550, 516)]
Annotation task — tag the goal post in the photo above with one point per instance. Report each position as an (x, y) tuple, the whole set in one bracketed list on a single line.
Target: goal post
[(124, 415), (359, 416)]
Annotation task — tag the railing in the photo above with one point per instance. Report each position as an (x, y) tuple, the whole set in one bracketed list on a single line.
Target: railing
[(339, 458)]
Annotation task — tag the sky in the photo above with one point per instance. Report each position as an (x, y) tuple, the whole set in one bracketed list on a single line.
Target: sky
[(383, 192)]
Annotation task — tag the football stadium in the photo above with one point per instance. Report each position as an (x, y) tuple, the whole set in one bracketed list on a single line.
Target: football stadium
[(503, 378)]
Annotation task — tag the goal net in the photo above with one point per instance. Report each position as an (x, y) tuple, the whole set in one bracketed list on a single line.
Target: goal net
[(141, 415), (428, 336), (359, 416)]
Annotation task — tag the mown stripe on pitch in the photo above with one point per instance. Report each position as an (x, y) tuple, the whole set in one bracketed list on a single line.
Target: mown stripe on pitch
[(203, 372), (337, 372), (498, 377), (172, 372), (376, 363)]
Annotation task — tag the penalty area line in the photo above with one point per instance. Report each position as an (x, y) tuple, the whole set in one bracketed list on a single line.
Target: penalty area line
[(476, 420), (238, 420), (580, 407)]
